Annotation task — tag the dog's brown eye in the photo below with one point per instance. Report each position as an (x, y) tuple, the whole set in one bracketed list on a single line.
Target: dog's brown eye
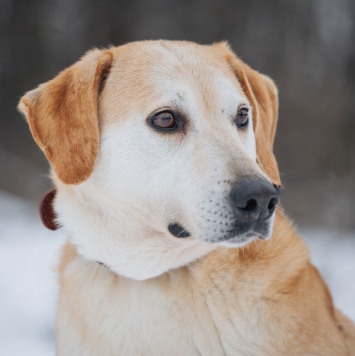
[(164, 120), (242, 118)]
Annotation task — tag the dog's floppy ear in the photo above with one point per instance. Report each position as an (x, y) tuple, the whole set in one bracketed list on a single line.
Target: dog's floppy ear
[(63, 116), (262, 95)]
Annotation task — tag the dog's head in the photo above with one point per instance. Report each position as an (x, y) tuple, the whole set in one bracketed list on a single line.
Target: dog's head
[(161, 151)]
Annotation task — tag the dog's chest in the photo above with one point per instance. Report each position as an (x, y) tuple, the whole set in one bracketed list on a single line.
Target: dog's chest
[(105, 314)]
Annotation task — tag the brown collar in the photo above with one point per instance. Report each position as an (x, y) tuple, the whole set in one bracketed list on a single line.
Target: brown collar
[(46, 210), (47, 213)]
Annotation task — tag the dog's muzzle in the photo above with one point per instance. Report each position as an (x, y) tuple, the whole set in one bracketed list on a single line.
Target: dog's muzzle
[(253, 201)]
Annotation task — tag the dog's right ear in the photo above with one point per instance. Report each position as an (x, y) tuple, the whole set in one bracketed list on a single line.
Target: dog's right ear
[(63, 116)]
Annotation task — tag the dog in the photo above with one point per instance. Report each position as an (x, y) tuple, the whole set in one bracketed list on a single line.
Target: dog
[(166, 181)]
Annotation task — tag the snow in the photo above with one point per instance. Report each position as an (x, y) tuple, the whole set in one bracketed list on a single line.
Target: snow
[(28, 255), (28, 288), (334, 255)]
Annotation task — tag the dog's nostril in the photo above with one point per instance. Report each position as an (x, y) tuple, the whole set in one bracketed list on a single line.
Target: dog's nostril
[(254, 199), (250, 206), (272, 203), (277, 188)]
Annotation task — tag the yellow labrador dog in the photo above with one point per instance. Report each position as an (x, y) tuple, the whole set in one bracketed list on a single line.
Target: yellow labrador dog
[(166, 182)]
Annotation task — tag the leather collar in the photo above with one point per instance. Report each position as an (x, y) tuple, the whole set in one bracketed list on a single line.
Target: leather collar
[(46, 210)]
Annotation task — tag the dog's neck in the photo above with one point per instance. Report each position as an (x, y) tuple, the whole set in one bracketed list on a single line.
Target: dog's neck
[(143, 252)]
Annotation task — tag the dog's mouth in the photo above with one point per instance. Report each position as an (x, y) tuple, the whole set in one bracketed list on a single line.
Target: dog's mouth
[(240, 233), (178, 231)]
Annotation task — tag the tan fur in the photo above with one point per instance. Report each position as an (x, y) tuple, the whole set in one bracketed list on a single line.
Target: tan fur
[(262, 299), (62, 115)]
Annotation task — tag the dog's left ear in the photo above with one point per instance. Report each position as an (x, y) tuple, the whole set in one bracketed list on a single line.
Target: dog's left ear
[(263, 97), (63, 116)]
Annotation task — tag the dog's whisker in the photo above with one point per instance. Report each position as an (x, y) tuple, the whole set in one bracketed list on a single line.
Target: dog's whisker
[(283, 211)]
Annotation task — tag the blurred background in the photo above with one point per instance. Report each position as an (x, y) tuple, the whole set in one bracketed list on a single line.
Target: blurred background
[(306, 46)]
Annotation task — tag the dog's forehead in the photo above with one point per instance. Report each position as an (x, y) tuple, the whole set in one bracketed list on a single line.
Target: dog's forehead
[(152, 74)]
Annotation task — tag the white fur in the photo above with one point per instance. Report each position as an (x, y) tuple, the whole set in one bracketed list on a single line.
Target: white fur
[(145, 180)]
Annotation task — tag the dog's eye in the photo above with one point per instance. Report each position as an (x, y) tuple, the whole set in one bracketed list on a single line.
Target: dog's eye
[(242, 118), (164, 120)]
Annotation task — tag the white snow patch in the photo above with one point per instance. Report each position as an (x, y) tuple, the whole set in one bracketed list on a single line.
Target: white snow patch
[(333, 252), (29, 254), (28, 257)]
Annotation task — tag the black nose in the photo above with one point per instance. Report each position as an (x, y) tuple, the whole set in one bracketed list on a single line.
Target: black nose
[(254, 199)]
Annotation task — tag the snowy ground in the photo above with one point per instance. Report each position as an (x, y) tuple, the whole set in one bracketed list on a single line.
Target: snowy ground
[(29, 253)]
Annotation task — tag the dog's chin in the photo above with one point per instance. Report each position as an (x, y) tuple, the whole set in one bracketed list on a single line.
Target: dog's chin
[(242, 240), (243, 234)]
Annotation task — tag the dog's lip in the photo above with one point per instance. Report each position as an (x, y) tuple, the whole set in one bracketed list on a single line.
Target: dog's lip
[(259, 229), (178, 231)]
